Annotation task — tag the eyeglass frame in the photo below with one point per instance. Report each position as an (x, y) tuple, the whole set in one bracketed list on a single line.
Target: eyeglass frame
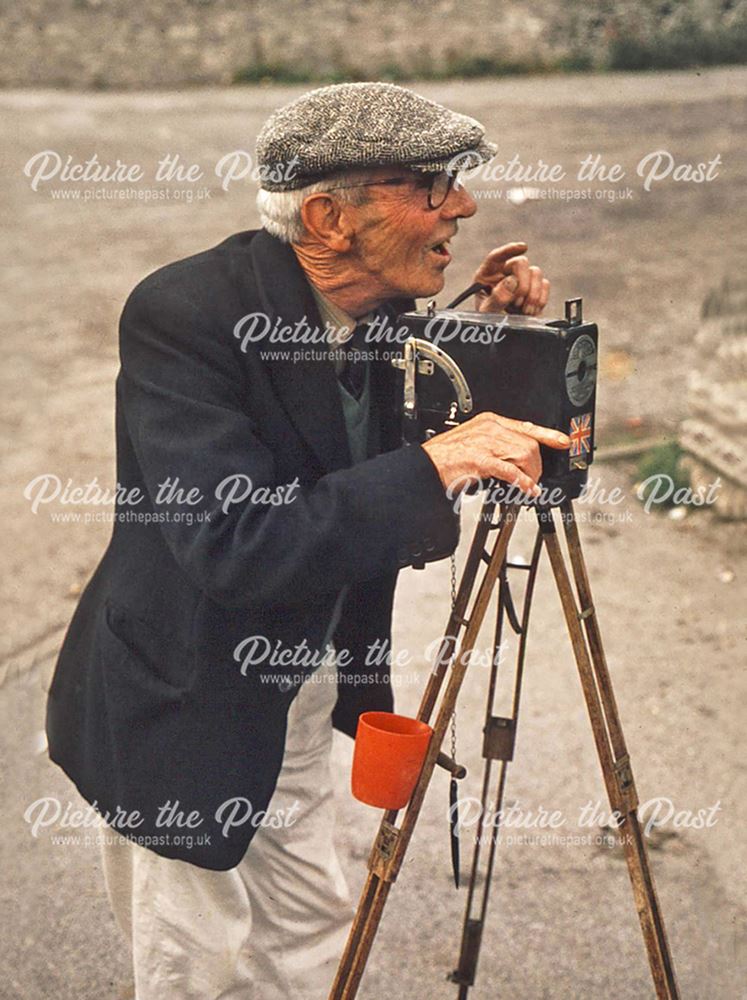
[(453, 184)]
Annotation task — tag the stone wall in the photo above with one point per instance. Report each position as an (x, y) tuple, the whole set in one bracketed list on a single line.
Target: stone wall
[(168, 43), (714, 437)]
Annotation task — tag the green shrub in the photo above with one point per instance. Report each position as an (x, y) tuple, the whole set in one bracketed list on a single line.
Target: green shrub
[(263, 72), (679, 44), (663, 460), (637, 35)]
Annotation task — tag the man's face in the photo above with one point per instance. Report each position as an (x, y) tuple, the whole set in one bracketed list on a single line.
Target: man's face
[(399, 241)]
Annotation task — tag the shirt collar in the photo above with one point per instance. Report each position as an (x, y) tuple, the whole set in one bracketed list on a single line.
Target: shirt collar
[(340, 325)]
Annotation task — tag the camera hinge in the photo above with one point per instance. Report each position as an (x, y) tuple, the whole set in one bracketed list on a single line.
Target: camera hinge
[(421, 357)]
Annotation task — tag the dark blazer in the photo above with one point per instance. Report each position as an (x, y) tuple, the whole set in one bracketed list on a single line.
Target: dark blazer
[(149, 705)]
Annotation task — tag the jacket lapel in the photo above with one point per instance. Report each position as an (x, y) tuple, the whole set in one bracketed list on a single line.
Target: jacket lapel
[(386, 386), (307, 388)]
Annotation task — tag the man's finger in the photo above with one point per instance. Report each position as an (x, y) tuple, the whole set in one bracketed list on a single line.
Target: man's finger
[(505, 252), (535, 291), (545, 435), (519, 266), (493, 266), (503, 293), (544, 295), (509, 473)]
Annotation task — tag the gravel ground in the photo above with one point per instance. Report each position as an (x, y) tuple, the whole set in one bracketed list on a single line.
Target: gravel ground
[(669, 593)]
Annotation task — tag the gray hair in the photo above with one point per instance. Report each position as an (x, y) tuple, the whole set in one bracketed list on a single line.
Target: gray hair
[(280, 211)]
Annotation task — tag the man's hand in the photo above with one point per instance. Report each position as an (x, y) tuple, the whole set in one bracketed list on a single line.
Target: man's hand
[(492, 447), (517, 286)]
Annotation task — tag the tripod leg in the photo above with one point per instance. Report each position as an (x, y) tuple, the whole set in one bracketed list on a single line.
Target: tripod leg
[(500, 750), (457, 617), (345, 984), (635, 845), (391, 843), (608, 736)]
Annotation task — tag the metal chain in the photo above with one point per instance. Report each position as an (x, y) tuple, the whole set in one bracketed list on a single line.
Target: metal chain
[(452, 562)]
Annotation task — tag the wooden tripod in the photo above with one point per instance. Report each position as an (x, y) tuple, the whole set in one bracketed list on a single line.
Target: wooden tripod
[(391, 842)]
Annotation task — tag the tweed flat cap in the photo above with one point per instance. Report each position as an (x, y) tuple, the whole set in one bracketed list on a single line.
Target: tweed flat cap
[(351, 125)]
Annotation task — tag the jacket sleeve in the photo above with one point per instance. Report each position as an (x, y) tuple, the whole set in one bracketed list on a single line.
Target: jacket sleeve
[(182, 397)]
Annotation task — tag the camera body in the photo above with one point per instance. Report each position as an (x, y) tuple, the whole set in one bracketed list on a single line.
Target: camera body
[(458, 363)]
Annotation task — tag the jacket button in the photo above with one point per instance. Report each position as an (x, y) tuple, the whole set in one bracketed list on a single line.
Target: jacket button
[(430, 545)]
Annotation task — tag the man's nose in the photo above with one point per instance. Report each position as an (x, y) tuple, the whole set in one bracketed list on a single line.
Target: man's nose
[(459, 204)]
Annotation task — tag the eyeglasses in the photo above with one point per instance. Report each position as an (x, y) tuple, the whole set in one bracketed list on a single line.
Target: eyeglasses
[(438, 185)]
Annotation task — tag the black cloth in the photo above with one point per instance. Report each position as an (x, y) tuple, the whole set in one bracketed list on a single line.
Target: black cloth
[(353, 374), (148, 705)]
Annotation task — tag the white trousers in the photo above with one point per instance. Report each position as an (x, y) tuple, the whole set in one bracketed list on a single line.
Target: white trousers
[(274, 927)]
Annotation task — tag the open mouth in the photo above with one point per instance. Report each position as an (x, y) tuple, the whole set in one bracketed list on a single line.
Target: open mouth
[(442, 250)]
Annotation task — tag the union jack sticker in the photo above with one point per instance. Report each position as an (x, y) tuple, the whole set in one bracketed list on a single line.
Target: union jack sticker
[(580, 435)]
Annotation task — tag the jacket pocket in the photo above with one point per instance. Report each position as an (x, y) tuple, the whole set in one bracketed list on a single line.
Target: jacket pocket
[(160, 659)]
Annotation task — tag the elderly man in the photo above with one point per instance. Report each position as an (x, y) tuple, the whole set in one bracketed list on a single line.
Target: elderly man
[(274, 509)]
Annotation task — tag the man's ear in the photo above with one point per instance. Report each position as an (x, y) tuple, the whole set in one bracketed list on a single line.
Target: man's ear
[(327, 222)]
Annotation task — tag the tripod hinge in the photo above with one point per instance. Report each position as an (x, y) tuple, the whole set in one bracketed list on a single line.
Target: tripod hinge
[(383, 860), (500, 734), (627, 796)]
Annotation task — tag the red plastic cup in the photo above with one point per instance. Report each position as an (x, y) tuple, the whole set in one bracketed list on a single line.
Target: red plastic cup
[(389, 753)]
